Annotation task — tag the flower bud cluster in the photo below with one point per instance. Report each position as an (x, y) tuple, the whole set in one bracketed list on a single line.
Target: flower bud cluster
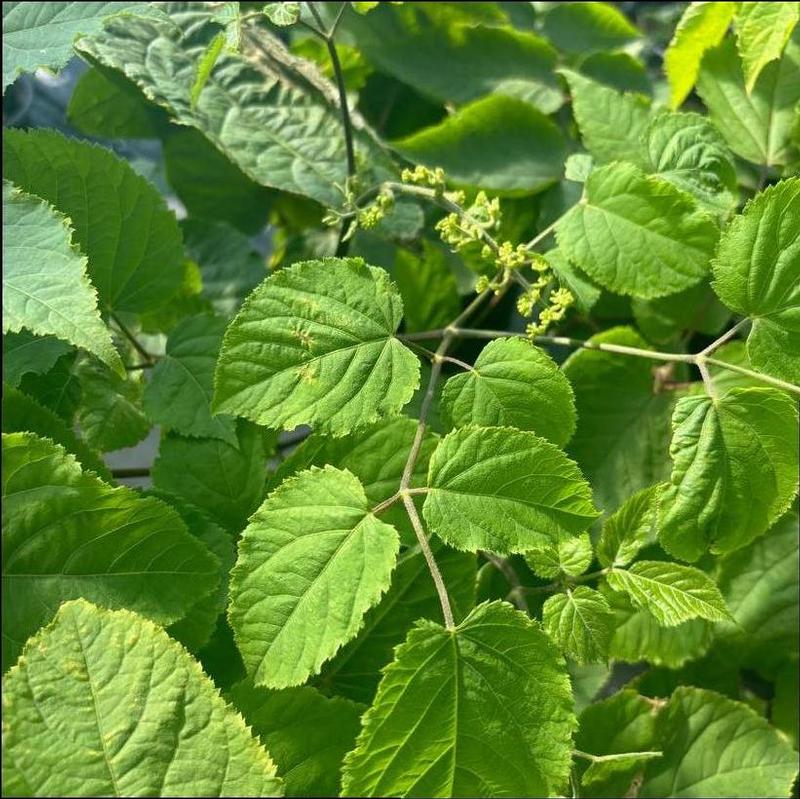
[(508, 256), (423, 176), (460, 230), (370, 216), (559, 301)]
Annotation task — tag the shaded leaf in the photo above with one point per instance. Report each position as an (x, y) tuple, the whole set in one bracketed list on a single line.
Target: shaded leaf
[(178, 394), (306, 733), (121, 222), (497, 143), (67, 534), (714, 746)]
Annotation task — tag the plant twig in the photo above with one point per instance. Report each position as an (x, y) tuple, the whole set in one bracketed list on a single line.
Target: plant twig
[(337, 71), (764, 378), (715, 345), (441, 588), (508, 571), (563, 341), (617, 756), (149, 359)]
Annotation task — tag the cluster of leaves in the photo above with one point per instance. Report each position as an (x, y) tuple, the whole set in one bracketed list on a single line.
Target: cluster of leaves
[(430, 594)]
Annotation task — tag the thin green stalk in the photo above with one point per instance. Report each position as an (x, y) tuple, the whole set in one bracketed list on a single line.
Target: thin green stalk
[(347, 123), (148, 358), (764, 378)]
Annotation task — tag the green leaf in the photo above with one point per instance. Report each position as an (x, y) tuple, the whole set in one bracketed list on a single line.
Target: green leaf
[(59, 388), (688, 151), (88, 705), (630, 528), (584, 27), (571, 556), (514, 384), (587, 682), (376, 455), (623, 425), (229, 265), (671, 592), (25, 353), (428, 288), (637, 234), (42, 35), (734, 353), (46, 288), (23, 413), (312, 561), (225, 481), (760, 586), (714, 746), (314, 344), (110, 412), (497, 143), (197, 627), (108, 106), (612, 124), (735, 467), (621, 71), (67, 534), (504, 490), (638, 636), (282, 14), (278, 135), (580, 622), (135, 255), (762, 31), (757, 125), (356, 670), (218, 193), (622, 729), (306, 733), (178, 394), (495, 685), (458, 59), (569, 276), (701, 27), (757, 274), (694, 309)]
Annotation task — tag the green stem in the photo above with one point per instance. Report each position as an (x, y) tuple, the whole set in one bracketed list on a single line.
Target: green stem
[(617, 756), (508, 571), (438, 581), (563, 341), (764, 378), (347, 123), (698, 359), (405, 490), (585, 578), (148, 358)]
